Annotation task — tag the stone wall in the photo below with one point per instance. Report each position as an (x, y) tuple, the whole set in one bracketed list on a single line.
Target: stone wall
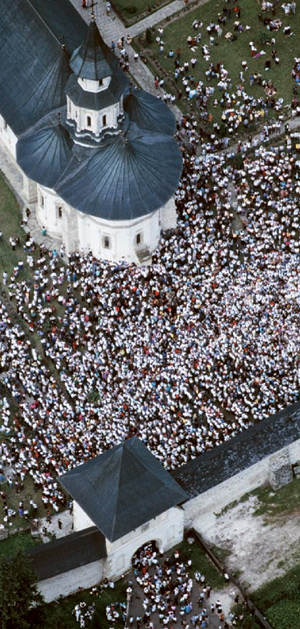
[(275, 470)]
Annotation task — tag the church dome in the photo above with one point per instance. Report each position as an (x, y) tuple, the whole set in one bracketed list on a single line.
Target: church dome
[(149, 112), (43, 153), (127, 177)]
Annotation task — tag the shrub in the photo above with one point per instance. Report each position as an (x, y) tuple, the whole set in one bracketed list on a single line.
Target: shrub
[(131, 9), (149, 36)]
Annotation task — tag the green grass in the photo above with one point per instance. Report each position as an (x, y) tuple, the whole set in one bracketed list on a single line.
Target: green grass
[(132, 11), (272, 503), (231, 54), (13, 500), (279, 600), (64, 607), (201, 562), (10, 225), (16, 542)]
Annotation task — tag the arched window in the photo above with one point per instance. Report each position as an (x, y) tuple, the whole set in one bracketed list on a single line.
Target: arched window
[(88, 121), (104, 120)]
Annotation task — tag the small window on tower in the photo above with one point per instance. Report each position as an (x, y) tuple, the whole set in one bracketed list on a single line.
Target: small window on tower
[(106, 242), (88, 121), (59, 212), (42, 201), (104, 120), (100, 81)]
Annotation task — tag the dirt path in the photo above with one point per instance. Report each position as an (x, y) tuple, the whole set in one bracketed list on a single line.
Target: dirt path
[(260, 549)]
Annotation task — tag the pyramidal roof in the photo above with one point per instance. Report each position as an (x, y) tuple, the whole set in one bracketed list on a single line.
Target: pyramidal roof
[(123, 488)]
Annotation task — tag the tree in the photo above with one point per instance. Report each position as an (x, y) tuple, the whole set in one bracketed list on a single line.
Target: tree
[(20, 600)]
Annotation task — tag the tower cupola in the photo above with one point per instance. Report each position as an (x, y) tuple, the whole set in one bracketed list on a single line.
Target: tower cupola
[(95, 90)]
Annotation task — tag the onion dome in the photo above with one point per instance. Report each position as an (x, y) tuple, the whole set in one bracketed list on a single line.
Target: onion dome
[(149, 112), (127, 177), (43, 153)]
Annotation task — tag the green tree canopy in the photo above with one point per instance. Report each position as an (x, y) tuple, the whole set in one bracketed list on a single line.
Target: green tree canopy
[(20, 600)]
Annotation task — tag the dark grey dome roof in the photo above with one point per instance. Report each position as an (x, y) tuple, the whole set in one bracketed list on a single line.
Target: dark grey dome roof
[(43, 153), (149, 112), (125, 178)]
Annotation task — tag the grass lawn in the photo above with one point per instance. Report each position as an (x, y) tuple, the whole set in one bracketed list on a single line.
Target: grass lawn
[(284, 500), (10, 225), (133, 11), (280, 600), (232, 54), (16, 542), (13, 500), (202, 563), (65, 606)]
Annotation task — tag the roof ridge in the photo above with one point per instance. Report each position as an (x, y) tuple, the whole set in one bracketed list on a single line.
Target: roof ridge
[(43, 21), (114, 520)]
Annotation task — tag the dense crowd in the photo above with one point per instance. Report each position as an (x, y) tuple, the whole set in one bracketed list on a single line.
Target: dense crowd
[(173, 593), (184, 353)]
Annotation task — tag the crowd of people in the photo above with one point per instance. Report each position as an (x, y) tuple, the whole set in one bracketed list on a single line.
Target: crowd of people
[(173, 592), (184, 353), (163, 589), (235, 99)]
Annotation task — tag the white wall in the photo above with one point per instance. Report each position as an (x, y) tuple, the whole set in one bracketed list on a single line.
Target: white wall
[(168, 215), (96, 122), (166, 529), (47, 211), (121, 234), (8, 137), (68, 582), (80, 519)]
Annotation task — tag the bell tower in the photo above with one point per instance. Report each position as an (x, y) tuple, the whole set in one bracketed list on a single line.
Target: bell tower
[(94, 90)]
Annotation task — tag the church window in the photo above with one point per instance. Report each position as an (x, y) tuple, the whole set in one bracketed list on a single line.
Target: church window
[(100, 81), (59, 211), (104, 120), (106, 242), (42, 201), (139, 238), (88, 121)]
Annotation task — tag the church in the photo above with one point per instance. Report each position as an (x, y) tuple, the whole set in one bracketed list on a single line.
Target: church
[(98, 157)]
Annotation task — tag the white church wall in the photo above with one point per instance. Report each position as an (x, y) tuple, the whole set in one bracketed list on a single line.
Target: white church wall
[(8, 137), (28, 191), (119, 240), (168, 215), (50, 211), (69, 582), (92, 120), (167, 530), (80, 519)]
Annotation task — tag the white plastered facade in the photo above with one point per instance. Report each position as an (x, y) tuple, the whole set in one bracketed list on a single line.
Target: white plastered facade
[(112, 240)]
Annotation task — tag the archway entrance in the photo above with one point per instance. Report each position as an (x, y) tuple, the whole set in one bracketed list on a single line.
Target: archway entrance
[(145, 557)]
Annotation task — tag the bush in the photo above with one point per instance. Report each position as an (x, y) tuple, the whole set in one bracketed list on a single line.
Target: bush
[(149, 36), (131, 9)]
